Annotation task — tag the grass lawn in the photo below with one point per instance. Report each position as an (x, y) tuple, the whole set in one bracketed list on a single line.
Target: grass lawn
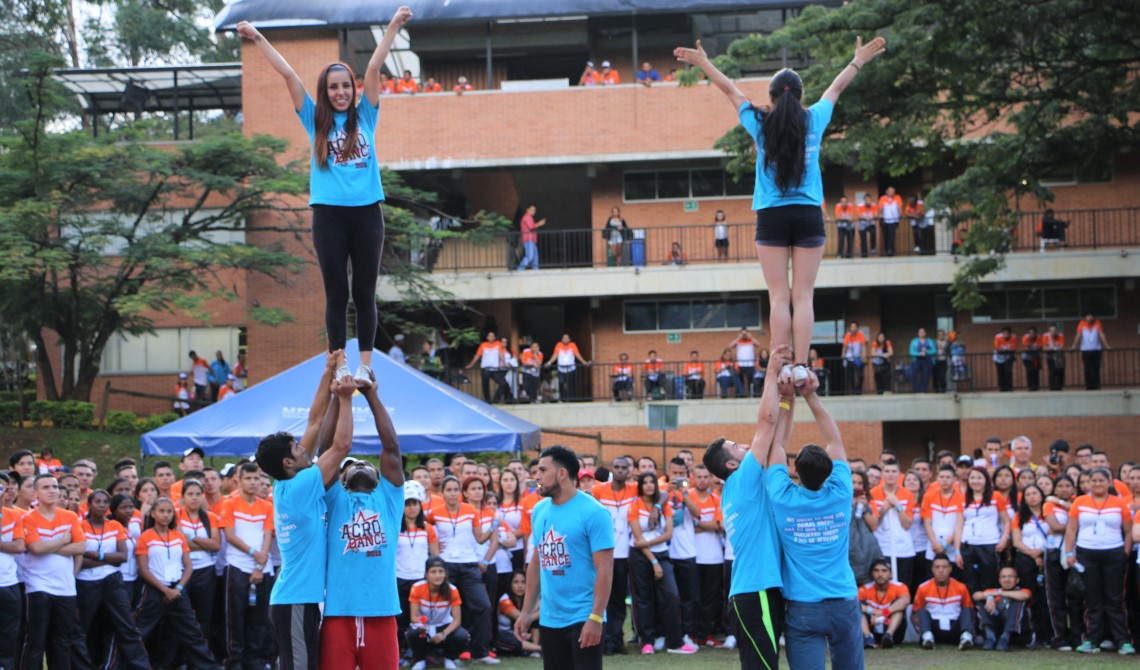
[(943, 658), (70, 446)]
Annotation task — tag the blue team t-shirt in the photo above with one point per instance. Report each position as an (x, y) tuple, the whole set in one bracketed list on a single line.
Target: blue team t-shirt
[(299, 517), (351, 178), (810, 189), (363, 530), (814, 527), (565, 538), (751, 529)]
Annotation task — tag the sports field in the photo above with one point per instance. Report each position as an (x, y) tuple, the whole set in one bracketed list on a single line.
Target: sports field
[(905, 657)]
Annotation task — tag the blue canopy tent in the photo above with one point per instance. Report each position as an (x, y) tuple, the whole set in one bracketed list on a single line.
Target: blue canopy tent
[(430, 416)]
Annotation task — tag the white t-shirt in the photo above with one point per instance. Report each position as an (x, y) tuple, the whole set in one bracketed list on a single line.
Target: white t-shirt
[(982, 523), (683, 545), (105, 540), (412, 551), (50, 573), (456, 535), (746, 353)]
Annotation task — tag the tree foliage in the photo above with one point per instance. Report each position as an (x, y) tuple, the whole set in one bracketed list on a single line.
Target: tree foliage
[(1012, 90), (99, 236)]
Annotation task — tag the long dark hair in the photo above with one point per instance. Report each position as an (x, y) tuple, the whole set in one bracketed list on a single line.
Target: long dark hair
[(203, 517), (1013, 495), (1024, 514), (323, 121), (987, 493), (784, 125), (518, 488), (445, 587), (641, 486), (419, 521)]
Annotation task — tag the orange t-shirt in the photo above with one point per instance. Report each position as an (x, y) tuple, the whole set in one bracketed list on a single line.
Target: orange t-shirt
[(530, 359), (694, 369), (433, 88), (857, 337), (1005, 344), (1030, 341), (896, 201), (48, 467), (653, 366), (943, 601), (432, 605), (867, 211), (845, 212), (527, 503), (406, 86), (726, 365), (611, 77), (623, 370), (869, 593), (915, 211), (1053, 341)]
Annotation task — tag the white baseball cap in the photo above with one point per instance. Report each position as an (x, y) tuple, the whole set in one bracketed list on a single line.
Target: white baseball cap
[(414, 490), (605, 63)]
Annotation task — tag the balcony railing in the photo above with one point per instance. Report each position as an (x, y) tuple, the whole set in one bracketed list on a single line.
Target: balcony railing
[(652, 246), (969, 373)]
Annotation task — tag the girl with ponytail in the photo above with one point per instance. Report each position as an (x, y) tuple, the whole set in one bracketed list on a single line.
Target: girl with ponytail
[(788, 196), (344, 186)]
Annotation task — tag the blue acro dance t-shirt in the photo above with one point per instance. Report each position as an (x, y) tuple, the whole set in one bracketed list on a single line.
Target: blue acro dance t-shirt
[(565, 538), (362, 535), (810, 190), (352, 176)]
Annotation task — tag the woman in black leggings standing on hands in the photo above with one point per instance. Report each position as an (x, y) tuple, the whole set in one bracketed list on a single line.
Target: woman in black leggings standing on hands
[(344, 186)]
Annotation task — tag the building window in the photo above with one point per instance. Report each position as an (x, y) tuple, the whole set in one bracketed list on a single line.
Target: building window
[(114, 244), (706, 183), (167, 350), (1047, 305), (691, 314)]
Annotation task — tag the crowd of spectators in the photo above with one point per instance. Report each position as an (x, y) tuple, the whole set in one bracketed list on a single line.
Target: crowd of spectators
[(986, 549)]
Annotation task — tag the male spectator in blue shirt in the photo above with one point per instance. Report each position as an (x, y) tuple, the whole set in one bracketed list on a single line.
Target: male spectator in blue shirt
[(755, 601), (573, 541), (299, 520), (647, 75), (813, 521), (219, 371)]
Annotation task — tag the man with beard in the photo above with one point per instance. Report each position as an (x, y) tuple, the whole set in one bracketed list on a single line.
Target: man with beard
[(361, 599), (299, 518), (574, 541)]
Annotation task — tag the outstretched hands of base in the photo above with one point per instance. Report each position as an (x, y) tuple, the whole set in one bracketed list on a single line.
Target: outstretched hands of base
[(695, 56), (865, 53)]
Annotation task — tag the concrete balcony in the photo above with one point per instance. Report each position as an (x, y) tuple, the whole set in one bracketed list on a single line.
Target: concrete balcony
[(926, 407)]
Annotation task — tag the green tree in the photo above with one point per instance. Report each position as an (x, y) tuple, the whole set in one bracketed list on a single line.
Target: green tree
[(1013, 91), (150, 31), (97, 237)]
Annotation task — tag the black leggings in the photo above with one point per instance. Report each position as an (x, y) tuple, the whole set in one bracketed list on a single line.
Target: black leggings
[(341, 234)]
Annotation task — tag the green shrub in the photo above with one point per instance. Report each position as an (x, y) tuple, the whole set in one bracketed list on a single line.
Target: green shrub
[(9, 413), (40, 410), (122, 423), (151, 423)]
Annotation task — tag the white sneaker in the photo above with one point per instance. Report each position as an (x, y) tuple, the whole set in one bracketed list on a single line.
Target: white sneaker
[(487, 660), (449, 664), (928, 640), (966, 642), (363, 376), (659, 644), (686, 649), (420, 665), (730, 642), (799, 375), (689, 641), (343, 373)]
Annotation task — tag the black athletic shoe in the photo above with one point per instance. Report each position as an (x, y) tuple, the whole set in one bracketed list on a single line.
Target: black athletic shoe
[(887, 641)]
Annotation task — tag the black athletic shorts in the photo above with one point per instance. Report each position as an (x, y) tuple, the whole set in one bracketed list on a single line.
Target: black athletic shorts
[(790, 226)]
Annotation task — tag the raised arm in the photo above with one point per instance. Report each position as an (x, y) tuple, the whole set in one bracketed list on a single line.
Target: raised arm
[(699, 58), (864, 53), (779, 453), (372, 74), (826, 424), (767, 417), (320, 403), (391, 465), (341, 446), (292, 81)]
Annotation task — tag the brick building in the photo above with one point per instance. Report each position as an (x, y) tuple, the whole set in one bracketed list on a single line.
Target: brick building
[(529, 135)]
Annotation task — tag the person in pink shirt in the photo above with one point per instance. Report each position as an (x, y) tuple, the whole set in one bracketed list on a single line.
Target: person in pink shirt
[(530, 238)]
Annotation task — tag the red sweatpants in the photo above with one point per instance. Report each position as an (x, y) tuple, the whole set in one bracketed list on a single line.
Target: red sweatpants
[(368, 643)]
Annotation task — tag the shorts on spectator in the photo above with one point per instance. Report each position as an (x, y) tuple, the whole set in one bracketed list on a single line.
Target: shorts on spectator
[(721, 244), (790, 226)]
